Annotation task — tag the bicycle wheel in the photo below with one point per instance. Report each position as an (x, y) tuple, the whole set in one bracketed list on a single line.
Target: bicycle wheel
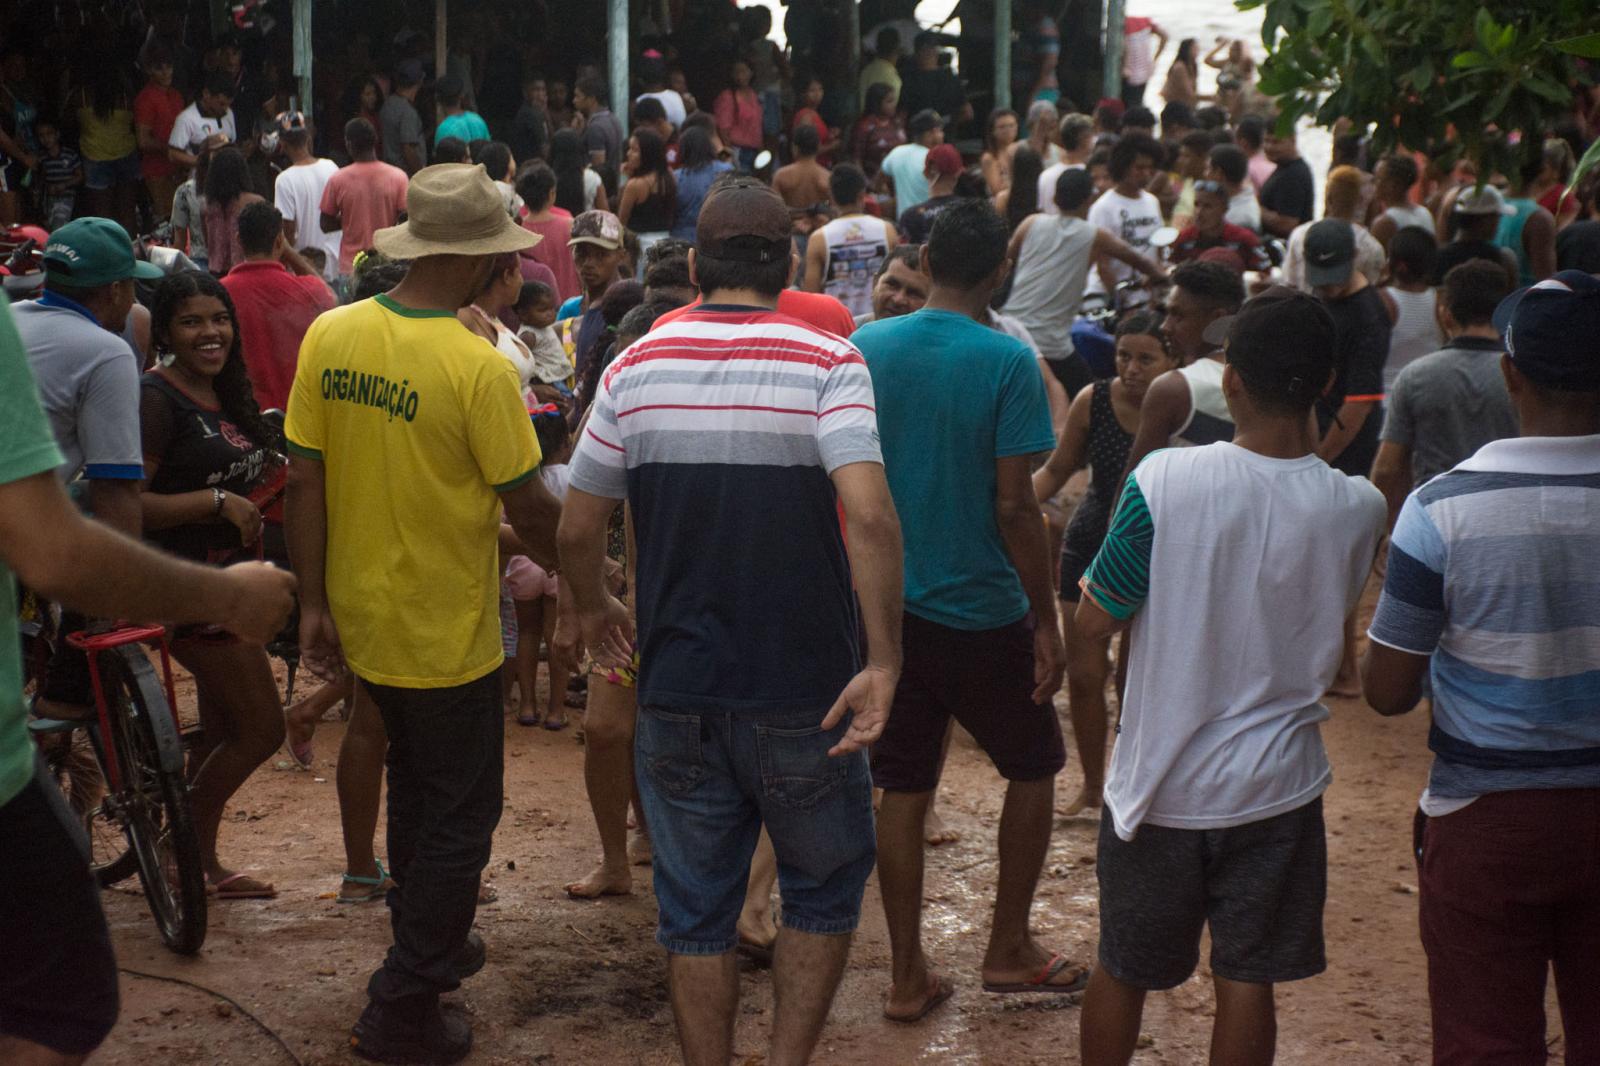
[(154, 800), (75, 760)]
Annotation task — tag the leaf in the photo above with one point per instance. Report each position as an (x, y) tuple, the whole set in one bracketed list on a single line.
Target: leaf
[(1587, 45), (1421, 75), (1590, 160), (1466, 60), (1485, 29), (1508, 36), (1498, 103), (1543, 86)]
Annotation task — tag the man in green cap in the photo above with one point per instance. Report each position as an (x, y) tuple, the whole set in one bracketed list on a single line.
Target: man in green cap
[(88, 381)]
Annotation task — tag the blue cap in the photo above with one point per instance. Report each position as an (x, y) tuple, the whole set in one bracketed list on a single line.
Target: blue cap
[(1550, 328)]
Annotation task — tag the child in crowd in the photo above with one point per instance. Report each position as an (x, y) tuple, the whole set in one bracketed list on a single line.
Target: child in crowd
[(1410, 300), (533, 590), (62, 171), (535, 310)]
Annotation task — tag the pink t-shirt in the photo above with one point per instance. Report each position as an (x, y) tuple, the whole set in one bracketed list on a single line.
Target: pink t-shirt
[(367, 197), (1261, 169), (739, 112)]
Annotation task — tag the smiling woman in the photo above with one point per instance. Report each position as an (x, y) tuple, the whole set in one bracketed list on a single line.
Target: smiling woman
[(206, 447)]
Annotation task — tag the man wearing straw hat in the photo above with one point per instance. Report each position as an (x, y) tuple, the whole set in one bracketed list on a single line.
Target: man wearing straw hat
[(408, 438)]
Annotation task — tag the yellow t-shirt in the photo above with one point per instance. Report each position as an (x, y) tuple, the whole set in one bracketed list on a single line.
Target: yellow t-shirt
[(418, 423)]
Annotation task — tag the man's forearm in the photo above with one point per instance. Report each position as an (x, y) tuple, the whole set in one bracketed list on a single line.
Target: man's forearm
[(1024, 533), (877, 559), (305, 527), (1343, 429), (534, 517), (582, 563), (118, 505)]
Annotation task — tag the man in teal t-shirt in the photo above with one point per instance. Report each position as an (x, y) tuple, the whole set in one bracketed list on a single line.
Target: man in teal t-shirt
[(58, 984), (458, 122), (962, 412)]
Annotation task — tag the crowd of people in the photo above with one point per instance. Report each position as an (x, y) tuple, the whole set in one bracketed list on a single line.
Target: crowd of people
[(752, 455)]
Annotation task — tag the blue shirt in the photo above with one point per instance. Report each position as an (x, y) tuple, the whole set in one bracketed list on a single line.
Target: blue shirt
[(1491, 573), (467, 126), (692, 188), (571, 307), (904, 164), (953, 396)]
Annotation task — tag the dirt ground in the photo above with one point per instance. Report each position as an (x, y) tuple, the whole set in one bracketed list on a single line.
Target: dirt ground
[(582, 982)]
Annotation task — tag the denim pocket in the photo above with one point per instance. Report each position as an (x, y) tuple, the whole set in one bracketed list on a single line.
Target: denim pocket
[(669, 748), (796, 769)]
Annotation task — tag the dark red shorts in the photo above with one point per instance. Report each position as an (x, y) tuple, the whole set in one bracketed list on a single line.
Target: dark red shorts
[(1510, 889), (983, 679)]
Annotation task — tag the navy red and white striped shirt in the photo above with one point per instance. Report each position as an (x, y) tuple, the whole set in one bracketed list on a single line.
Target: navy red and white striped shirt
[(721, 429)]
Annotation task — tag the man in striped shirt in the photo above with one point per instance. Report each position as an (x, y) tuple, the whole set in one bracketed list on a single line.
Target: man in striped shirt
[(1492, 588), (734, 432)]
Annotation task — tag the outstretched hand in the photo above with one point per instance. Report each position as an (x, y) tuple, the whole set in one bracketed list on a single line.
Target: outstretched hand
[(868, 698)]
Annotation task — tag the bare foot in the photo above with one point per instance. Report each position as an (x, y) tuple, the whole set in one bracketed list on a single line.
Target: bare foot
[(603, 882), (639, 849), (935, 832), (913, 1008), (1086, 801)]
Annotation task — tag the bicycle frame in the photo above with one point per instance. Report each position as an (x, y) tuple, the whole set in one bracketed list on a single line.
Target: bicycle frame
[(167, 739)]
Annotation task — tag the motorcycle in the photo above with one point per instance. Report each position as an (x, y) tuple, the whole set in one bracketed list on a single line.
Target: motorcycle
[(1094, 333), (22, 261)]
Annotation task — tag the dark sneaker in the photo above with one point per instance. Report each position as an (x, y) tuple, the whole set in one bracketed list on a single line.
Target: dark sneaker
[(470, 959), (411, 1034)]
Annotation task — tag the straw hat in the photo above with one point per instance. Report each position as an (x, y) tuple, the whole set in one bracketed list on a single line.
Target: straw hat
[(453, 209)]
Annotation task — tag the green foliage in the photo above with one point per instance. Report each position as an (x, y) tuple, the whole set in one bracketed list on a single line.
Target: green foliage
[(1416, 70)]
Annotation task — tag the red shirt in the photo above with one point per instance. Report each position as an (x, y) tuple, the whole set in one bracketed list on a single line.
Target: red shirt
[(553, 252), (816, 309), (275, 309), (367, 197), (157, 108)]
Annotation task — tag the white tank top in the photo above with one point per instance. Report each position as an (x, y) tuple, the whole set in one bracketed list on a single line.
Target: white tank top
[(1410, 215), (1415, 332), (1209, 419), (1047, 286), (857, 247)]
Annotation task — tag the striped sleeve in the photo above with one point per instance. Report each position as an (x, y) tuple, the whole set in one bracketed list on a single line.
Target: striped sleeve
[(1410, 615), (1118, 580), (847, 416), (600, 462)]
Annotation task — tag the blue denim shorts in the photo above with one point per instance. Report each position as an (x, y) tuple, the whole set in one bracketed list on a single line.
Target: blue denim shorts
[(710, 780), (102, 174)]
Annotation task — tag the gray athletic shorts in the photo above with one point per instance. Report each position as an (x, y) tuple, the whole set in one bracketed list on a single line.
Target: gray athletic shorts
[(1260, 887)]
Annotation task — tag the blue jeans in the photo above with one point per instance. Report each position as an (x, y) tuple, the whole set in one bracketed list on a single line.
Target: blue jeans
[(710, 780)]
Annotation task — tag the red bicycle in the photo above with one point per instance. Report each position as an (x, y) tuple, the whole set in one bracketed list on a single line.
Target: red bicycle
[(140, 820)]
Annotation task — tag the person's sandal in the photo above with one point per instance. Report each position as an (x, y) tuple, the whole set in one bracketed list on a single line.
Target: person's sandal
[(377, 887)]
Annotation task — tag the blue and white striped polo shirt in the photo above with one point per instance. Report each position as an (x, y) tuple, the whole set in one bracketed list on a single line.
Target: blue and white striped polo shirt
[(1493, 573), (721, 428)]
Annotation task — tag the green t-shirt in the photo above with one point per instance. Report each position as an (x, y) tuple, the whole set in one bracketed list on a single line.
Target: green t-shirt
[(26, 448)]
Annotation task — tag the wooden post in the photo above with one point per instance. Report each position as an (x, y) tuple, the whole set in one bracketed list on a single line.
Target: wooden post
[(1111, 73), (1002, 53), (441, 51), (617, 61)]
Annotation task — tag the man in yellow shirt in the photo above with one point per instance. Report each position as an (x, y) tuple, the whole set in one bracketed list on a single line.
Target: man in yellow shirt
[(408, 438), (881, 68)]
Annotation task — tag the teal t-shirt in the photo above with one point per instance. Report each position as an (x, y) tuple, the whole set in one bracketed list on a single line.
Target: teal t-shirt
[(468, 126), (952, 397), (26, 448)]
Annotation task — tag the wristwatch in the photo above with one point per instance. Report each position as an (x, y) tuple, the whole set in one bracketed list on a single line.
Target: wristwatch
[(220, 497)]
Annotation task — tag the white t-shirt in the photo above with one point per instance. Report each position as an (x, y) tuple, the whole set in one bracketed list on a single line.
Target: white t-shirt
[(1253, 565), (1134, 220), (1047, 185), (1244, 210), (191, 129), (297, 194), (671, 102)]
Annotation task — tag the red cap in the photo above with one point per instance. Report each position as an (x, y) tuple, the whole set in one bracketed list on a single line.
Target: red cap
[(944, 159)]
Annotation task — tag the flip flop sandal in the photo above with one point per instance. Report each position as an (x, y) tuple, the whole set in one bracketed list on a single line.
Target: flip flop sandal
[(300, 753), (939, 990), (377, 887), (1042, 981), (529, 720), (220, 889), (555, 727)]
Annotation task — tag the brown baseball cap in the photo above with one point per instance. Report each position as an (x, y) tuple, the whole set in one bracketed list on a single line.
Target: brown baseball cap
[(744, 221), (597, 227)]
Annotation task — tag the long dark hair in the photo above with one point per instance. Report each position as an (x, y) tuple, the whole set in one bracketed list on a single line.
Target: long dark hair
[(232, 383), (1026, 166), (620, 298), (567, 159), (695, 150), (653, 163), (227, 178), (1186, 55), (875, 97), (988, 127), (107, 89)]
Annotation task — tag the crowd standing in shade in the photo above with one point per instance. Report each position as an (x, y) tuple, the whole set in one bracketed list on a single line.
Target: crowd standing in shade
[(778, 465)]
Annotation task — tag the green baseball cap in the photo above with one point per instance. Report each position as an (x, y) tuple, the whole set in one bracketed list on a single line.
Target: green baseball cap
[(90, 252)]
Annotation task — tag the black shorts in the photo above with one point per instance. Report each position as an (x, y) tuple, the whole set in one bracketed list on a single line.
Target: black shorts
[(1260, 887), (984, 679), (58, 982)]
